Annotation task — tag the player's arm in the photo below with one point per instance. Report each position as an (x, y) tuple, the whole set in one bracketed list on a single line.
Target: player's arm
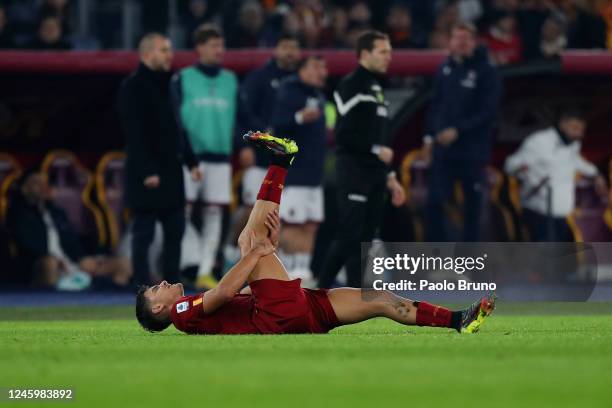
[(230, 284), (233, 281)]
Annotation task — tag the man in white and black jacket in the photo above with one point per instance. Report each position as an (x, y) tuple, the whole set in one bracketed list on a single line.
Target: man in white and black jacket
[(547, 163), (363, 159)]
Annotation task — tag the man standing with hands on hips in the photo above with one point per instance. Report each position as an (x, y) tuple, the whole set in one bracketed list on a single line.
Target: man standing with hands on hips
[(363, 159)]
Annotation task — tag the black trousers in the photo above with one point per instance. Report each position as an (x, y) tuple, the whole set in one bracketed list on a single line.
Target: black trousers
[(143, 232), (360, 200), (543, 229), (442, 177)]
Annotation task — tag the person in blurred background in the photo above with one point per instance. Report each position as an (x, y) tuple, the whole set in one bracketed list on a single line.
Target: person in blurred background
[(446, 18), (503, 40), (362, 158), (399, 28), (154, 180), (59, 9), (205, 97), (299, 114), (257, 95), (334, 34), (360, 14), (546, 163), (48, 246), (247, 30), (465, 104), (50, 36), (198, 13), (552, 39), (7, 39), (585, 28)]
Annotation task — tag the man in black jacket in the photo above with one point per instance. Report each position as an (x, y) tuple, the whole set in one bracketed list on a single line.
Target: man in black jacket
[(49, 251), (155, 152), (299, 113), (363, 160), (259, 85), (467, 91)]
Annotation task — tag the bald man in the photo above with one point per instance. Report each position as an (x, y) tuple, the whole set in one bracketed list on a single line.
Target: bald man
[(155, 154)]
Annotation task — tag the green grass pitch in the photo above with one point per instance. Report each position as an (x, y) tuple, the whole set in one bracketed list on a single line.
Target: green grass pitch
[(535, 355)]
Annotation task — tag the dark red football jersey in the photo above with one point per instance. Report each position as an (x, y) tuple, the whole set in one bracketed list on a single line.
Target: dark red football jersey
[(275, 306), (235, 317)]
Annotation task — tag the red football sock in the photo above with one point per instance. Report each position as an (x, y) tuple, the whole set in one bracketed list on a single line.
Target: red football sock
[(433, 315), (272, 185)]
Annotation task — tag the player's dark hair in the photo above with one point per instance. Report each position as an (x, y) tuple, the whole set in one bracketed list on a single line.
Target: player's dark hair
[(304, 61), (145, 316), (206, 32), (572, 113), (287, 37), (365, 42)]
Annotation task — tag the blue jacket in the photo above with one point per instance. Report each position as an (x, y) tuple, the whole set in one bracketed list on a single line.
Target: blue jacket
[(257, 95), (293, 96), (466, 96)]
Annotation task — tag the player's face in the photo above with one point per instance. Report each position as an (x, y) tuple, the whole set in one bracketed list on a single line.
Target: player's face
[(161, 54), (573, 128), (379, 58), (211, 52), (287, 54), (462, 43), (314, 73), (164, 294)]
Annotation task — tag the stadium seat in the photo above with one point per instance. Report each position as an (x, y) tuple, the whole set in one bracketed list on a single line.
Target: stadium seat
[(587, 221), (500, 223), (413, 176), (109, 178), (71, 187), (10, 171)]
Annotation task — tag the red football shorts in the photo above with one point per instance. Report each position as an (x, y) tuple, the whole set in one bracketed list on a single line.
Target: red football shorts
[(285, 307)]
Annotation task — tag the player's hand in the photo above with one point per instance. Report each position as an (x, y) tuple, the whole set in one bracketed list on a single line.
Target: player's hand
[(246, 157), (310, 114), (273, 223), (385, 155), (447, 136), (261, 246), (196, 174), (152, 181), (398, 195)]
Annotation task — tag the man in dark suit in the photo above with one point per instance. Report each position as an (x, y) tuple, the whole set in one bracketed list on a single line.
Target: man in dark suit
[(155, 153)]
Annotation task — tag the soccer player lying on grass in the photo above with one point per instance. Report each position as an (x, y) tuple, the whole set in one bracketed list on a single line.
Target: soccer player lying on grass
[(274, 304)]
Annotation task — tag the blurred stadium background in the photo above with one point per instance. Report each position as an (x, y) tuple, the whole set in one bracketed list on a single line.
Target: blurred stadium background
[(62, 62)]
